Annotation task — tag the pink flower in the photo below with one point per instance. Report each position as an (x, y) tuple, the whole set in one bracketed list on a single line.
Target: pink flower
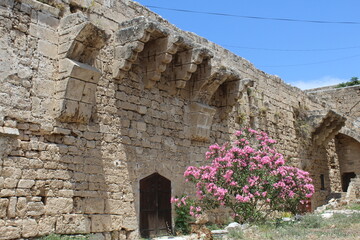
[(228, 175)]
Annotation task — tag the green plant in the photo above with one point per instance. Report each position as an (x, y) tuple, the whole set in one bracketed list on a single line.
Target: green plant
[(213, 226), (236, 233), (353, 81), (64, 237), (354, 206), (241, 118), (311, 221), (249, 177), (183, 217), (263, 110), (249, 91)]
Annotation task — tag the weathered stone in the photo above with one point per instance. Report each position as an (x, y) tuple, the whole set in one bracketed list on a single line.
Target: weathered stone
[(100, 223), (35, 209), (4, 202), (25, 183), (29, 228), (130, 224), (115, 207), (46, 225), (21, 207), (47, 49), (9, 131), (73, 224), (11, 211), (56, 206), (9, 232), (74, 143), (94, 205)]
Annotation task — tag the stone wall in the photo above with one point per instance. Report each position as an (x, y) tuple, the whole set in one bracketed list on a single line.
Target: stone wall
[(97, 96), (347, 102)]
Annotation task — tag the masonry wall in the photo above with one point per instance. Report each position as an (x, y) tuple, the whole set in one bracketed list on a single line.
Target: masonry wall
[(349, 154), (346, 101), (88, 110)]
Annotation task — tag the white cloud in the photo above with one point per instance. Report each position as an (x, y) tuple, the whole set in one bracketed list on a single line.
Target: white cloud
[(320, 82)]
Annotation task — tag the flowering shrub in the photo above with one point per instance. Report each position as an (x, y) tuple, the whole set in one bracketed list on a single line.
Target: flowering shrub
[(183, 213), (250, 177)]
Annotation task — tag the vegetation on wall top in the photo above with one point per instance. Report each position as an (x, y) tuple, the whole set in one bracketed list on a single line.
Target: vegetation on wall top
[(353, 81)]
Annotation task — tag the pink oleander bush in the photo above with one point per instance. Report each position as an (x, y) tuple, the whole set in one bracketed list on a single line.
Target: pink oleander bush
[(250, 177)]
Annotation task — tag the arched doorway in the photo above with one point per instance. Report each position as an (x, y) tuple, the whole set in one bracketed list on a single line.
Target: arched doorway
[(155, 206), (348, 151)]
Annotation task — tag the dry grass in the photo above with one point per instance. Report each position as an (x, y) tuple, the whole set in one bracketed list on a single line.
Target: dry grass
[(311, 227)]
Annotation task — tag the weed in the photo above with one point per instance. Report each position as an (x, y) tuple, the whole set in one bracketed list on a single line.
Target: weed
[(214, 226), (311, 221), (354, 206), (236, 234)]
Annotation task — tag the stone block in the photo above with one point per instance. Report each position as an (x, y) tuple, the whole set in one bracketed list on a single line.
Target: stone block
[(69, 111), (9, 232), (9, 131), (116, 222), (7, 3), (88, 95), (10, 182), (97, 236), (141, 126), (74, 89), (42, 32), (72, 224), (79, 70), (29, 228), (4, 202), (47, 20), (7, 193), (11, 211), (58, 130), (94, 205), (35, 209), (84, 111), (130, 224), (47, 49), (46, 225), (200, 121), (58, 205), (21, 207), (142, 109), (100, 223), (26, 183), (115, 207)]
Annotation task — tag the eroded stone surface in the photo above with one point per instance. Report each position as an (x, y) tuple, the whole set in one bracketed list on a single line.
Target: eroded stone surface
[(95, 99)]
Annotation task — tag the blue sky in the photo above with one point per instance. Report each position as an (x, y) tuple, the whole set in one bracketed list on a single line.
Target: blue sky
[(306, 55)]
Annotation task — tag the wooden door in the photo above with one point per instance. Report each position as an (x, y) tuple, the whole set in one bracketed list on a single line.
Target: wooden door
[(155, 206)]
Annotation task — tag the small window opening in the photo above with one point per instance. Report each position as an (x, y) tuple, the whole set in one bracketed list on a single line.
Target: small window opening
[(322, 181)]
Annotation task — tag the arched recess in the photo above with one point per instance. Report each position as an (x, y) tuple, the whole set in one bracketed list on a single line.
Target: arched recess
[(348, 151), (76, 87), (155, 207)]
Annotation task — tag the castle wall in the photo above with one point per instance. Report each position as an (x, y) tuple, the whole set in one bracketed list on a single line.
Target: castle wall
[(349, 154), (346, 101), (89, 107)]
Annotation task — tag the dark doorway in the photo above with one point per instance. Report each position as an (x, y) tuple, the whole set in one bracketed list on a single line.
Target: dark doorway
[(346, 178), (155, 206)]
